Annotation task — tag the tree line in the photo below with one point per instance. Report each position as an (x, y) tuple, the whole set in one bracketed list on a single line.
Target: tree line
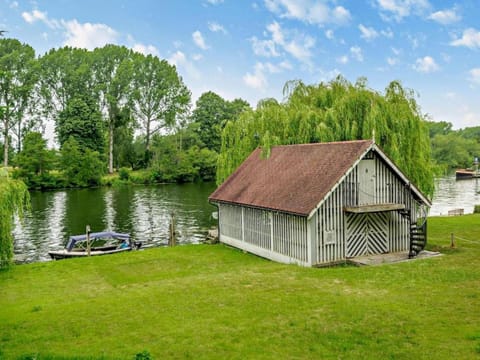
[(112, 108), (453, 149)]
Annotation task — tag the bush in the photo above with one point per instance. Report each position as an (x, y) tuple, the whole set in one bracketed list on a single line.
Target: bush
[(476, 209), (124, 174)]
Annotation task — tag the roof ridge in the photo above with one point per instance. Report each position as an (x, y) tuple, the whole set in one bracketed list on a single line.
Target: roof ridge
[(326, 143)]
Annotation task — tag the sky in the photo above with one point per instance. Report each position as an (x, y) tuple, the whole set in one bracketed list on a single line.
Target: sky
[(249, 49)]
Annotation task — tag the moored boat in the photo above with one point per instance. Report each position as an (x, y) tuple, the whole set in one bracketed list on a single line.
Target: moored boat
[(94, 244), (463, 174)]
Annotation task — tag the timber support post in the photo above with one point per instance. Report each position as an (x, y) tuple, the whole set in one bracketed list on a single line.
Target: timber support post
[(452, 240), (172, 238)]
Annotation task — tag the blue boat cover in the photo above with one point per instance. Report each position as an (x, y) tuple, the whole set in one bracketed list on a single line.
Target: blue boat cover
[(99, 235)]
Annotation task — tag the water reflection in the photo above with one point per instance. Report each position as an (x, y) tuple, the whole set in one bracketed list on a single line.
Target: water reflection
[(142, 211), (452, 194)]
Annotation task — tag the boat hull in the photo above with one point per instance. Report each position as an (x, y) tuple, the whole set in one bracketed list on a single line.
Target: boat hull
[(65, 254), (465, 174)]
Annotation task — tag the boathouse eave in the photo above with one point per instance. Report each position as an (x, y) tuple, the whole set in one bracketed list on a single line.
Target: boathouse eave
[(389, 162), (216, 202)]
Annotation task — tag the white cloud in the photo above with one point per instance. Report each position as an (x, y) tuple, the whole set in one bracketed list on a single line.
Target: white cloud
[(285, 65), (367, 33), (300, 49), (426, 65), (296, 44), (392, 61), (87, 35), (475, 75), (387, 33), (215, 27), (329, 34), (445, 17), (36, 15), (199, 40), (13, 5), (214, 2), (264, 47), (145, 49), (356, 52), (343, 59), (277, 34), (257, 80), (470, 39), (403, 8), (197, 57), (180, 60), (396, 51), (309, 11)]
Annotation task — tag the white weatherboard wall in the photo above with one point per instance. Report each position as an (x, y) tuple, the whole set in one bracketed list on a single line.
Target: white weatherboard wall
[(273, 235)]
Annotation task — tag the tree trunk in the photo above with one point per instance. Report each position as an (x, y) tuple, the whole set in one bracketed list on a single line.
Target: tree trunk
[(110, 147), (5, 141)]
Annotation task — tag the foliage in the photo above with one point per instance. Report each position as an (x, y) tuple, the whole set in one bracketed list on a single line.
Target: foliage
[(171, 163), (82, 167), (17, 79), (476, 209), (212, 113), (453, 148), (274, 311), (454, 151), (159, 95), (82, 121), (35, 161), (335, 111), (14, 197)]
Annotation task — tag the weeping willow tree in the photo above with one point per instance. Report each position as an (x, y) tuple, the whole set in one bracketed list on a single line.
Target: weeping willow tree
[(14, 197), (335, 111)]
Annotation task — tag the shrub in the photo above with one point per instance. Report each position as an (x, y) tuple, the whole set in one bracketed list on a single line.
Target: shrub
[(476, 209)]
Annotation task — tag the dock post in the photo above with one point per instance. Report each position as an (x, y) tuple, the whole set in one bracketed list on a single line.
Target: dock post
[(452, 240), (87, 230), (172, 240)]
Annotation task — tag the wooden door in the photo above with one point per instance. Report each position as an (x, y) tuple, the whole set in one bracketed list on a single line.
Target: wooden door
[(366, 182), (367, 234)]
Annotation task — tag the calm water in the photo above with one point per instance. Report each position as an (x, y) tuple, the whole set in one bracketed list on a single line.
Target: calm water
[(142, 211), (451, 194)]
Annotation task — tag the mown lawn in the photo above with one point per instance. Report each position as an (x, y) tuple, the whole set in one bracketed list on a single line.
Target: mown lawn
[(214, 302)]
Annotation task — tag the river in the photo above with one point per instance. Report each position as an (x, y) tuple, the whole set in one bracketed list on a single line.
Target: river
[(145, 211), (142, 211)]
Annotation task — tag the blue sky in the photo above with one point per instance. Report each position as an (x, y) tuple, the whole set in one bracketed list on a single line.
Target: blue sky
[(249, 49)]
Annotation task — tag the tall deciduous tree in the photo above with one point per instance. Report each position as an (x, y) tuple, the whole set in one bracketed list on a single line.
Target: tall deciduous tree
[(335, 111), (17, 80), (159, 95), (212, 113), (81, 120), (113, 73), (65, 73)]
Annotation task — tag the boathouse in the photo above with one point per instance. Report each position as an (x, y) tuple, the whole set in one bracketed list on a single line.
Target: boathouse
[(319, 204)]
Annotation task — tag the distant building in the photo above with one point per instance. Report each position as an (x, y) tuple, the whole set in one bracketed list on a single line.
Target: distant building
[(323, 203)]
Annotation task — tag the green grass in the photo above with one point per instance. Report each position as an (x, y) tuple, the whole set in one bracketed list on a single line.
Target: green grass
[(214, 302)]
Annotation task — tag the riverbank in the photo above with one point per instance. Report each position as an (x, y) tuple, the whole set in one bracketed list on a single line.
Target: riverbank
[(209, 302)]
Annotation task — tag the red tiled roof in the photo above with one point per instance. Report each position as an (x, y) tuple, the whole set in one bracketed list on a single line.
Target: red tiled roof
[(294, 179)]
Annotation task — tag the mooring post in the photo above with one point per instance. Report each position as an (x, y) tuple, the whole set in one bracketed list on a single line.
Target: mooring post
[(172, 240), (452, 240), (87, 229)]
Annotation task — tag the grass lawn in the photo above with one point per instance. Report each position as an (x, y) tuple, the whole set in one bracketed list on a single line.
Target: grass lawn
[(214, 302)]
